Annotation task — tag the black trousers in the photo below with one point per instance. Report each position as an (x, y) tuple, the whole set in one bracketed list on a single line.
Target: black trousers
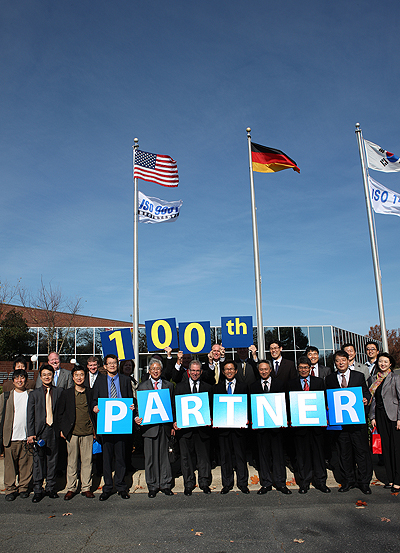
[(355, 459), (114, 447), (45, 461), (271, 458), (310, 458), (233, 453), (195, 452)]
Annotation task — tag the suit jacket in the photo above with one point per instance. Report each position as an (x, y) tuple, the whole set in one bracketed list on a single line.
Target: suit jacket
[(152, 430), (356, 379), (240, 388), (277, 385), (64, 380), (100, 388), (87, 379), (287, 370), (323, 371), (184, 388), (362, 369), (7, 428), (66, 411), (390, 397), (37, 410), (247, 374)]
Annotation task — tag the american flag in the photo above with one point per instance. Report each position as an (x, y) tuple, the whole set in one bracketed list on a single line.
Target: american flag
[(155, 168)]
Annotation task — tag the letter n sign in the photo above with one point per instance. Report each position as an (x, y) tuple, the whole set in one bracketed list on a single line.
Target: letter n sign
[(237, 332)]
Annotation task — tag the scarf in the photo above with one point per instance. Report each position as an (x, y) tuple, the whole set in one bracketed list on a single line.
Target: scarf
[(380, 377)]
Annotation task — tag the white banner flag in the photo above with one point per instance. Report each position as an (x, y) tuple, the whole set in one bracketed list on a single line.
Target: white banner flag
[(380, 159), (153, 210), (384, 200)]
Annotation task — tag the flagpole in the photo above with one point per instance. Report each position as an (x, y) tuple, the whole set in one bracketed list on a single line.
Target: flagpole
[(372, 235), (257, 273), (135, 268)]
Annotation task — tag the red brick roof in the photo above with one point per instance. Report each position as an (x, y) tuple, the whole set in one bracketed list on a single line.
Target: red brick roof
[(37, 317)]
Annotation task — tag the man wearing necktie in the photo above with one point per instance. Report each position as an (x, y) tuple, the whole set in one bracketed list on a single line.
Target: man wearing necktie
[(284, 369), (62, 377), (309, 440), (212, 368), (232, 441), (271, 460), (113, 385), (42, 425), (355, 460), (158, 471), (317, 369), (194, 442)]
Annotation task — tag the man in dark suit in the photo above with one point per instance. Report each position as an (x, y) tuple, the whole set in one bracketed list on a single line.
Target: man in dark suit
[(157, 466), (76, 422), (283, 368), (194, 442), (246, 362), (62, 377), (309, 440), (270, 448), (92, 366), (352, 441), (212, 368), (42, 425), (317, 369), (232, 442), (112, 385)]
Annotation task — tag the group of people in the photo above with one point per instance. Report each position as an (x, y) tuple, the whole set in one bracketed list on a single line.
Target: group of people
[(36, 425)]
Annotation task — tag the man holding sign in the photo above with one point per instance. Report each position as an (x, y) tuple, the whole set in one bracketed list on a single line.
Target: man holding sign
[(157, 466), (194, 442), (112, 386)]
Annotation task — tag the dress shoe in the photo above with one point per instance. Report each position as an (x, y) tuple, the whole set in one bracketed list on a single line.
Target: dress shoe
[(393, 489), (37, 497), (206, 489), (11, 496), (302, 489), (346, 488), (365, 489), (244, 489), (104, 496), (387, 486), (264, 489), (89, 495), (167, 492), (124, 494), (188, 491), (69, 495), (24, 495), (225, 489), (284, 489), (324, 488), (52, 495), (152, 494)]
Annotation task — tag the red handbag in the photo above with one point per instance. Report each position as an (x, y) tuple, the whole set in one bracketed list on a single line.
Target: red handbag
[(376, 442)]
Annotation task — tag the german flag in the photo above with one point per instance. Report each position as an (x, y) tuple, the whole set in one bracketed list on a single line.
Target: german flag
[(269, 160)]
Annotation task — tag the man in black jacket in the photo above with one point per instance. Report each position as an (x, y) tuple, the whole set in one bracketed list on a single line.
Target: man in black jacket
[(194, 442), (76, 423)]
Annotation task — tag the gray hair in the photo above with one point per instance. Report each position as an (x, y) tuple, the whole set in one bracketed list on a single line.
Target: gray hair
[(195, 362), (155, 361)]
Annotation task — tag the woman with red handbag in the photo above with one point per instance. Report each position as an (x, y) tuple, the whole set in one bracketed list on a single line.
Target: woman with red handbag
[(385, 416)]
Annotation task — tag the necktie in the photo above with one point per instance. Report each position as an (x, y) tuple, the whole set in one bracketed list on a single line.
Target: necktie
[(230, 388), (156, 385), (276, 367), (344, 383), (216, 372), (194, 390), (113, 389), (312, 371), (91, 380), (49, 408), (55, 379), (306, 387), (266, 389)]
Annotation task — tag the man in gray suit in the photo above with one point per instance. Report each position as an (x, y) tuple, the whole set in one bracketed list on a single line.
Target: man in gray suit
[(62, 377), (355, 365), (157, 466), (42, 425), (317, 369)]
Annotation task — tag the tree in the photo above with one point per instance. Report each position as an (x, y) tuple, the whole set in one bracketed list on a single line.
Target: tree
[(7, 294), (393, 340), (50, 310), (15, 337)]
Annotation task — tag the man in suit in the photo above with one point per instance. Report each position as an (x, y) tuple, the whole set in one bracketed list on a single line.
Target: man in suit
[(317, 369), (42, 425), (157, 466), (355, 365), (246, 362), (352, 440), (13, 435), (76, 423), (270, 448), (112, 385), (62, 377), (92, 366), (283, 368), (181, 367), (309, 440), (194, 442), (212, 368), (371, 350), (232, 441)]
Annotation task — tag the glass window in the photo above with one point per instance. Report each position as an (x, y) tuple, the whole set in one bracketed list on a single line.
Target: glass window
[(66, 341), (270, 333), (327, 330), (84, 340), (301, 338), (316, 336), (97, 341), (286, 337)]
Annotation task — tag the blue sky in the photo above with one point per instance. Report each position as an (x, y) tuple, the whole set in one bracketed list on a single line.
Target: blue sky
[(81, 79)]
